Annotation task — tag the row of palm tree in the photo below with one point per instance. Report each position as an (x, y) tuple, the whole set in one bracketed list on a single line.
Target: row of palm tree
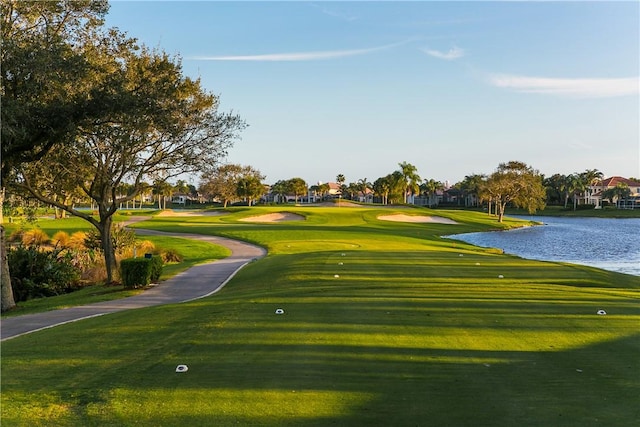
[(560, 188), (397, 186)]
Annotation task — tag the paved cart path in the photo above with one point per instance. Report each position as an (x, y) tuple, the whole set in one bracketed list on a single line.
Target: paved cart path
[(197, 282)]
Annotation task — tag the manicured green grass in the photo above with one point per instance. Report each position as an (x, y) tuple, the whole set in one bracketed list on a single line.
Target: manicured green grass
[(415, 330), (608, 212)]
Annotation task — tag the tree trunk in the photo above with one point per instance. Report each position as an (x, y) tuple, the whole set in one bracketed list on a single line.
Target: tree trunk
[(500, 208), (8, 302), (6, 290), (107, 247)]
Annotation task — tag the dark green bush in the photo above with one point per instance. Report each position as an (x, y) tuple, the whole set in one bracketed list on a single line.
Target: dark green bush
[(585, 207), (136, 272), (156, 267), (39, 273)]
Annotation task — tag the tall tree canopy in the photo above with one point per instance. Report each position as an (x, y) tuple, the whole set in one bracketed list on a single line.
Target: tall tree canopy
[(250, 188), (152, 122), (43, 85), (517, 183), (46, 93), (297, 186), (222, 182)]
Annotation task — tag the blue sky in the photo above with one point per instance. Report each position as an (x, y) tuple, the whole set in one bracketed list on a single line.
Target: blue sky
[(453, 88)]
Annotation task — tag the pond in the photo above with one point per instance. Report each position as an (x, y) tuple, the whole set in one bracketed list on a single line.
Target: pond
[(607, 243)]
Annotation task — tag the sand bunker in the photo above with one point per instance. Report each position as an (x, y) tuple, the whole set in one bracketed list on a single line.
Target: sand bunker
[(274, 217), (416, 218)]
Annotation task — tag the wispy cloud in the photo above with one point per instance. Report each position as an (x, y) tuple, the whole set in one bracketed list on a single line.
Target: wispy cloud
[(298, 56), (577, 88), (335, 13), (453, 53)]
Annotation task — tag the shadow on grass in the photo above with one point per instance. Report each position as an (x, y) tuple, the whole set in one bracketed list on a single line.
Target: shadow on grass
[(434, 360)]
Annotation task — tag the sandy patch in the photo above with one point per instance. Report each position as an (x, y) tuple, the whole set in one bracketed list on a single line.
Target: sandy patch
[(416, 218), (274, 217), (171, 212)]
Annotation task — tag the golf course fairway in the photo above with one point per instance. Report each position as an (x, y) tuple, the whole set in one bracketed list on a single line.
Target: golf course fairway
[(382, 323)]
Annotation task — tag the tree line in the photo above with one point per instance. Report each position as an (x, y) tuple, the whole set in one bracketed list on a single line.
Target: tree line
[(513, 183)]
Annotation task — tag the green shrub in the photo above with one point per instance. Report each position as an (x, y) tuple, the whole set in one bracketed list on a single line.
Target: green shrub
[(136, 272), (39, 273), (156, 267), (585, 207)]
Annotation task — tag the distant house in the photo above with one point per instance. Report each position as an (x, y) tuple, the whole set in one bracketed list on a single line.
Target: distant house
[(366, 197), (180, 199), (593, 195), (333, 193), (429, 200)]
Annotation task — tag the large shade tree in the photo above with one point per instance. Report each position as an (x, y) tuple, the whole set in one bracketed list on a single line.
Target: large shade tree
[(158, 123), (517, 183), (250, 188), (45, 85), (222, 182), (297, 186)]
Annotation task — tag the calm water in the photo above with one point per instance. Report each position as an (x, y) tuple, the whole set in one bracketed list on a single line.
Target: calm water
[(610, 244)]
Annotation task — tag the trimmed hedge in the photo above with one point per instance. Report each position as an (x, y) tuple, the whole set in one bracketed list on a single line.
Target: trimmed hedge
[(156, 267), (138, 272)]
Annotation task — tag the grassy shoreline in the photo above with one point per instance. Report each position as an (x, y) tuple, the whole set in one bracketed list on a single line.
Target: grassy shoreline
[(587, 213)]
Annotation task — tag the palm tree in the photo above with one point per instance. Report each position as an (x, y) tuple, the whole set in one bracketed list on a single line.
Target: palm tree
[(363, 185), (324, 189), (280, 189), (555, 187), (382, 187), (162, 189), (591, 177), (575, 186), (620, 192), (410, 178), (430, 188), (297, 186), (470, 187), (397, 186)]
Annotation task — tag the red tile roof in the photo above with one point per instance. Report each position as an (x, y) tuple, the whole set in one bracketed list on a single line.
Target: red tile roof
[(615, 180)]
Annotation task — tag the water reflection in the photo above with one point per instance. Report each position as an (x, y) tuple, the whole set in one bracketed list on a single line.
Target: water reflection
[(607, 243)]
